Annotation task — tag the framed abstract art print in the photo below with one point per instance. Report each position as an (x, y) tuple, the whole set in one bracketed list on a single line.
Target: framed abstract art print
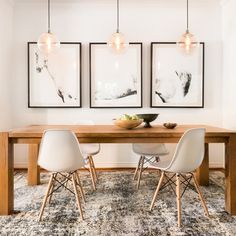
[(177, 78), (115, 80), (54, 81)]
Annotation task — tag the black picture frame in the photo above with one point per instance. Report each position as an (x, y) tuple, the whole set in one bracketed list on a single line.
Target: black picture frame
[(201, 49), (79, 79), (91, 45)]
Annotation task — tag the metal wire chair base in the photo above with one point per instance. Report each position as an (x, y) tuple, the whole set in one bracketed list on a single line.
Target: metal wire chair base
[(143, 160), (186, 181), (60, 180)]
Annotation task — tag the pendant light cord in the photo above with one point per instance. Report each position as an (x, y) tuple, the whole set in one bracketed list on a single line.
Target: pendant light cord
[(187, 17), (118, 16), (49, 17)]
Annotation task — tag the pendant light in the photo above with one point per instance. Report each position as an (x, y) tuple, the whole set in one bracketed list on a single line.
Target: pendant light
[(48, 41), (117, 41), (187, 42)]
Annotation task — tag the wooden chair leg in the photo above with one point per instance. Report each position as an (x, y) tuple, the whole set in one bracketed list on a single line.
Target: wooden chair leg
[(91, 173), (51, 193), (157, 189), (94, 169), (178, 198), (51, 190), (77, 196), (140, 171), (137, 168), (95, 175), (46, 197), (80, 186), (200, 195)]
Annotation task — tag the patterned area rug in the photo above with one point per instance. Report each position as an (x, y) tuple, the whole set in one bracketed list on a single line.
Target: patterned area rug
[(117, 208)]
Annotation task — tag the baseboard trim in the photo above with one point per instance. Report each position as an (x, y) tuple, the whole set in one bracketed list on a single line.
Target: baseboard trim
[(121, 165), (20, 165), (120, 169), (216, 165)]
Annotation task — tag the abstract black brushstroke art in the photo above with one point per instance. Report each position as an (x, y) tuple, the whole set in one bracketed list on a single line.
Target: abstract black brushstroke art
[(55, 80), (115, 80), (177, 79)]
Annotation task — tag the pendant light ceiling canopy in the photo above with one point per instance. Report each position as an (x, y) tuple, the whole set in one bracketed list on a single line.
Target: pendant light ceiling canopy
[(188, 42), (117, 41), (48, 42)]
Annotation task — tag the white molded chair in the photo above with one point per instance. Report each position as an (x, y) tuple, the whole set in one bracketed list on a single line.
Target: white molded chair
[(89, 150), (60, 154), (187, 158), (149, 153)]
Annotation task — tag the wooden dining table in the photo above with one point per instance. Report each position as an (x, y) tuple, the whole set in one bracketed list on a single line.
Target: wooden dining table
[(32, 135)]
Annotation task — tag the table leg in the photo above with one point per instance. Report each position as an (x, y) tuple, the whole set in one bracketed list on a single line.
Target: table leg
[(33, 168), (202, 173), (6, 175), (230, 175)]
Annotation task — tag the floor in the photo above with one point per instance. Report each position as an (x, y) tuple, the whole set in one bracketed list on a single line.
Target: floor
[(117, 208)]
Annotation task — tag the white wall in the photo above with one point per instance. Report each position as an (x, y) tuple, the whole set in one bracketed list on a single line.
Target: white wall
[(229, 47), (6, 26), (141, 20)]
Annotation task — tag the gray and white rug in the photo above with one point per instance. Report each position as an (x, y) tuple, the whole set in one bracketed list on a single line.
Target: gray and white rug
[(117, 208)]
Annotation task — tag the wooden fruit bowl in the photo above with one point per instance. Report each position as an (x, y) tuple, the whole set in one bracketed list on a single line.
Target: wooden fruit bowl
[(128, 124), (170, 125)]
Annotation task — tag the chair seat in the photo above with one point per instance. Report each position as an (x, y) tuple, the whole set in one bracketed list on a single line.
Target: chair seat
[(150, 149), (162, 164), (90, 149)]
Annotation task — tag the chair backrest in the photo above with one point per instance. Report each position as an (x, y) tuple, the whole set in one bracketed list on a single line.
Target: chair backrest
[(60, 152), (189, 152)]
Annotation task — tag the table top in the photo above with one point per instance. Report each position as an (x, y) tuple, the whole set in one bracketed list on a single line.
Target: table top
[(106, 131)]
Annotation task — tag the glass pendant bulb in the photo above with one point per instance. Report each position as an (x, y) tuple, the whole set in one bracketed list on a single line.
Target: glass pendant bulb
[(117, 43), (48, 42), (187, 42)]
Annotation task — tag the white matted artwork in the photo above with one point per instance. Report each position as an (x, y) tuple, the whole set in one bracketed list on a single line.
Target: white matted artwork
[(115, 79), (54, 81), (177, 79)]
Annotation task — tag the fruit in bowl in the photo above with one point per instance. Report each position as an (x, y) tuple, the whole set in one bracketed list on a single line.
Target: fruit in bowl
[(129, 117), (128, 121)]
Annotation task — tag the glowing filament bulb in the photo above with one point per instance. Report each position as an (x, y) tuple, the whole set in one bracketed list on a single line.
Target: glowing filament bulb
[(48, 43), (187, 42), (117, 43)]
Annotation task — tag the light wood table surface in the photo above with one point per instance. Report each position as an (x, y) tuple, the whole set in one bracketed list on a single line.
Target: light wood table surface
[(32, 135)]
